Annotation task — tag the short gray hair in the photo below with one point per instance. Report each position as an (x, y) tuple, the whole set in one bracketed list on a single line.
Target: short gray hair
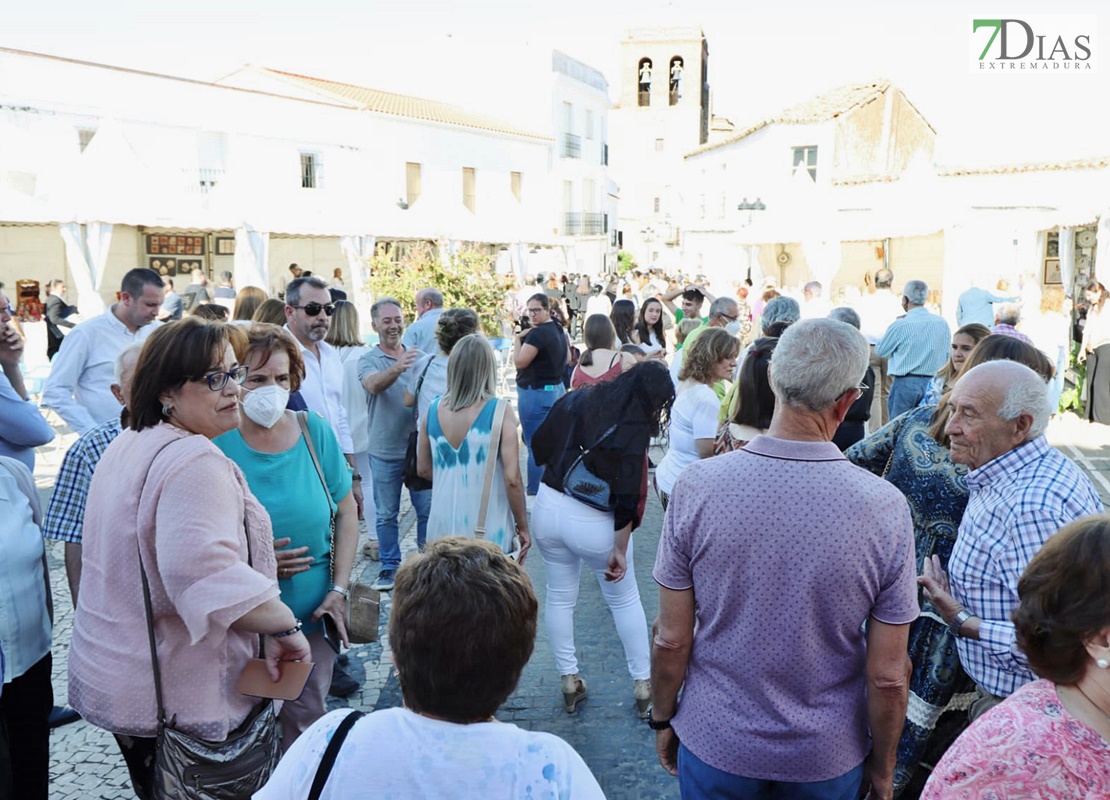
[(127, 354), (293, 290), (1025, 392), (722, 306), (917, 292), (780, 309), (432, 296), (846, 314), (816, 361), (383, 301), (1009, 314)]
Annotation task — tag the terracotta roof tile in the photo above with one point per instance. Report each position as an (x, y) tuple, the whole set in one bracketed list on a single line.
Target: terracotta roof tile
[(401, 105), (1098, 162), (822, 108)]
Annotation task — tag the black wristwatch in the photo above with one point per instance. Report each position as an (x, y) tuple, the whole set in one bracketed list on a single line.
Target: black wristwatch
[(658, 725)]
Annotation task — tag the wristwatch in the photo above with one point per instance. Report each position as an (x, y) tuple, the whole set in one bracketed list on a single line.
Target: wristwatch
[(658, 725), (959, 620), (337, 588)]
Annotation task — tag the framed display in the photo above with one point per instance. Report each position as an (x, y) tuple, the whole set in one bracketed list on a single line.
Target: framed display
[(161, 244), (186, 265), (225, 245), (1052, 272)]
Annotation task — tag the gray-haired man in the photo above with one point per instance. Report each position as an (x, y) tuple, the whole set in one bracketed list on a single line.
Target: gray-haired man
[(916, 346)]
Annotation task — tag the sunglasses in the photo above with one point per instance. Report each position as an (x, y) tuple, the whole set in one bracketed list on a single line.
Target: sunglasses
[(314, 309), (218, 380)]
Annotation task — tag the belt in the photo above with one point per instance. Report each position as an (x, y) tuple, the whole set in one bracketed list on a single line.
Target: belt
[(912, 376)]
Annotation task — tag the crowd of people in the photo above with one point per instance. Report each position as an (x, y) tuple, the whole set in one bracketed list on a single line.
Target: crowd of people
[(874, 573)]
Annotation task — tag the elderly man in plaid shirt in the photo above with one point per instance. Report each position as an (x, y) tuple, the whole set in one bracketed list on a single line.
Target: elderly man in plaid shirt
[(1022, 492)]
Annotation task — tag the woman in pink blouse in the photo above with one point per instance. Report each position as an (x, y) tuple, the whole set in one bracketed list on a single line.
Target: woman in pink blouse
[(1050, 740), (163, 489)]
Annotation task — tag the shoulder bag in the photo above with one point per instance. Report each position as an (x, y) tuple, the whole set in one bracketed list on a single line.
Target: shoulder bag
[(363, 616), (491, 465), (583, 485), (327, 761), (409, 474), (187, 768)]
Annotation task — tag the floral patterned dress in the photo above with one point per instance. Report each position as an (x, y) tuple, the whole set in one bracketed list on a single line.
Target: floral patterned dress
[(1027, 747), (905, 454)]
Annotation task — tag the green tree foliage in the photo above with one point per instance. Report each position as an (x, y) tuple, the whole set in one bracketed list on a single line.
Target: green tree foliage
[(625, 262), (467, 280)]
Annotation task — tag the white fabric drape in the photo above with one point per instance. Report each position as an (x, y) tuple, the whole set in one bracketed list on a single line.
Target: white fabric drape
[(252, 258), (1102, 245), (1067, 259), (87, 257), (357, 250)]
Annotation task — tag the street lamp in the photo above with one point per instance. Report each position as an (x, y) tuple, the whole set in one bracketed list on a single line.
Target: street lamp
[(757, 205)]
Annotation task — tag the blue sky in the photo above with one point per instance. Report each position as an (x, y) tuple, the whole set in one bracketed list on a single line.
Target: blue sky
[(762, 59)]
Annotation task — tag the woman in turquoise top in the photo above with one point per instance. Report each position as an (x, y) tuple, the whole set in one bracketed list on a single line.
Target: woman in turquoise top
[(270, 449), (453, 450)]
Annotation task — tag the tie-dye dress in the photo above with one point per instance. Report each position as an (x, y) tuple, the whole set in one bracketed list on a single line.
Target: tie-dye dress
[(458, 475)]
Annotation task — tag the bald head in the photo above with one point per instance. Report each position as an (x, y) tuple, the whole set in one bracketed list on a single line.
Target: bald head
[(125, 372), (996, 407)]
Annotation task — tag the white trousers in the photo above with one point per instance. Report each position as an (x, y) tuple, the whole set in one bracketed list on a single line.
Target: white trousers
[(568, 534)]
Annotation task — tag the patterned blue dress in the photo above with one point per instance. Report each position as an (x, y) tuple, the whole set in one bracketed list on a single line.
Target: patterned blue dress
[(458, 474), (937, 493)]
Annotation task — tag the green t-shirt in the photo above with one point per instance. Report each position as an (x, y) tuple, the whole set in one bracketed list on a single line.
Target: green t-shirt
[(288, 487), (680, 315)]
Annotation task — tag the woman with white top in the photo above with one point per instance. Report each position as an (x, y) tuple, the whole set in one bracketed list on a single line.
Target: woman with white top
[(648, 332), (693, 428)]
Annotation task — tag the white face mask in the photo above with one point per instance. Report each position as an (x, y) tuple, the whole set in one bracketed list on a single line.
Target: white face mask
[(266, 404), (733, 328)]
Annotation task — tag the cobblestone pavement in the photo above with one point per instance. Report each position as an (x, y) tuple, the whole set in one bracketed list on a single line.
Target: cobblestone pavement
[(619, 748)]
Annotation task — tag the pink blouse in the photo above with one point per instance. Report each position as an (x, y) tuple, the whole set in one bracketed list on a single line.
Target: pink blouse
[(1027, 747), (189, 525)]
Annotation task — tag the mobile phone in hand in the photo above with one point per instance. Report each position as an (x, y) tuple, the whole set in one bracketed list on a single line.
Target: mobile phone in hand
[(331, 632)]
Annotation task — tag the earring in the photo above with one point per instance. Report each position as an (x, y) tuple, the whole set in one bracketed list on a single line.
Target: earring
[(1103, 663), (167, 410)]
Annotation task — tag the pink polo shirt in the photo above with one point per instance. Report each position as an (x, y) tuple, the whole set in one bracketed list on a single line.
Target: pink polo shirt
[(189, 525), (789, 548)]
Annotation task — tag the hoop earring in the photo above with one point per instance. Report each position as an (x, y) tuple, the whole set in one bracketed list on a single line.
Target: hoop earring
[(167, 410)]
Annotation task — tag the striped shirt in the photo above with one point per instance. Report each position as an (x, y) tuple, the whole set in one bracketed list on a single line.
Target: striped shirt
[(1017, 501), (916, 344), (65, 516)]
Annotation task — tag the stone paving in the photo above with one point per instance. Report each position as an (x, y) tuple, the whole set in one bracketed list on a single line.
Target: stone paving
[(618, 747)]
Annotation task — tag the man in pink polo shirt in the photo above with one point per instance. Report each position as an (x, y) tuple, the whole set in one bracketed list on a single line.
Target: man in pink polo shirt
[(793, 657)]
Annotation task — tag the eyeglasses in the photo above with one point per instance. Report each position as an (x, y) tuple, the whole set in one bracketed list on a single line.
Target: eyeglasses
[(218, 380), (730, 319), (537, 310), (314, 309)]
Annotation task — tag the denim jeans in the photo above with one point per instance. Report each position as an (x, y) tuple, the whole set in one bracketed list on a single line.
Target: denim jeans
[(905, 393), (532, 406), (697, 780), (388, 482)]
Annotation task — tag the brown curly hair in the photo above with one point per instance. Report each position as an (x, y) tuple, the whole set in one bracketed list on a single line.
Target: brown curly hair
[(1065, 599), (710, 346)]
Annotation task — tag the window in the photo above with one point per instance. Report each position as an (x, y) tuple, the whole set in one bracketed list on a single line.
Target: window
[(643, 95), (658, 145), (514, 184), (674, 84), (655, 205), (310, 171), (469, 200), (568, 117), (84, 136), (412, 182), (808, 157), (588, 195), (589, 124)]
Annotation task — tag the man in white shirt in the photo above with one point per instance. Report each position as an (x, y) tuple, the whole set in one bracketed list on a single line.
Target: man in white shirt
[(877, 311), (422, 333), (82, 373)]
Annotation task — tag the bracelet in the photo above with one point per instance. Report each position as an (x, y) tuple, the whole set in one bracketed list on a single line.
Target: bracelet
[(295, 629), (337, 588)]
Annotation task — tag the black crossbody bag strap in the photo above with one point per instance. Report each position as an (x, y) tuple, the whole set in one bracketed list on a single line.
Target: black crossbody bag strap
[(331, 754)]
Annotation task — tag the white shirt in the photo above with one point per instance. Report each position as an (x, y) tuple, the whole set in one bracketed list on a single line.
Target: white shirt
[(24, 622), (876, 312), (83, 371), (355, 398), (397, 753), (599, 304), (322, 389), (693, 417)]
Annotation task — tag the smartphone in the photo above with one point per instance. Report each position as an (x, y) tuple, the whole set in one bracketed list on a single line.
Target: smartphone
[(331, 632)]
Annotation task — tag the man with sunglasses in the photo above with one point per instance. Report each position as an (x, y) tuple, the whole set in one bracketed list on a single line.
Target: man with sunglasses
[(308, 310)]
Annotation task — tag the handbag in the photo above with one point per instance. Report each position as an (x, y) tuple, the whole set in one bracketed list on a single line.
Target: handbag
[(362, 617), (584, 486), (409, 475), (331, 753), (187, 768)]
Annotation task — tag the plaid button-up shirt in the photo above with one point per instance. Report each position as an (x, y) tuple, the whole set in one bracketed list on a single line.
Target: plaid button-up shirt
[(65, 516), (1017, 501)]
